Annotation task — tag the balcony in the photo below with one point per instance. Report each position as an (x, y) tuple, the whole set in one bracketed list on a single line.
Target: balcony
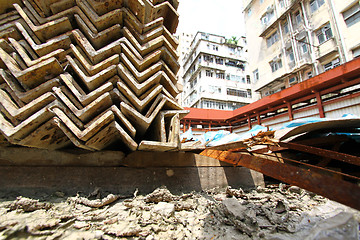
[(280, 13), (326, 48)]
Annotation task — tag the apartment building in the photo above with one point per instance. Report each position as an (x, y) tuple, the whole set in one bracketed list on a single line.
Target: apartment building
[(215, 73), (290, 41)]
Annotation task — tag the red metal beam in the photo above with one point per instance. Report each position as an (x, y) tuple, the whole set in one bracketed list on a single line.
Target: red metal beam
[(335, 79), (335, 189), (322, 152), (319, 105)]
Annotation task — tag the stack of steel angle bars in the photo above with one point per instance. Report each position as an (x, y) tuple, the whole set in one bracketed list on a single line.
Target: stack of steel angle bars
[(97, 74)]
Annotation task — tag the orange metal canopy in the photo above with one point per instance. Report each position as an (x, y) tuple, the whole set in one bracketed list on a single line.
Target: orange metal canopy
[(349, 71)]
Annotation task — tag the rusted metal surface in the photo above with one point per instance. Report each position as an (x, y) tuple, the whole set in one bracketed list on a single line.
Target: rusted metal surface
[(335, 189), (322, 152), (332, 81), (92, 73)]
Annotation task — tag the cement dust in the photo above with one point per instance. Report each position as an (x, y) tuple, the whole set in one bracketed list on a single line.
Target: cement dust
[(275, 212)]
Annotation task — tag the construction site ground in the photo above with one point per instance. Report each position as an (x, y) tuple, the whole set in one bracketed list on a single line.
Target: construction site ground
[(273, 212)]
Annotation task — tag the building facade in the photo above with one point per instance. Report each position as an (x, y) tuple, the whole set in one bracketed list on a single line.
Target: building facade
[(214, 74), (290, 41)]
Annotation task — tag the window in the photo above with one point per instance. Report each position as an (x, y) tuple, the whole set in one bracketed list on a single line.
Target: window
[(261, 1), (272, 39), (293, 80), (209, 73), (309, 75), (303, 45), (281, 3), (286, 27), (256, 75), (265, 19), (248, 79), (275, 65), (332, 64), (352, 15), (248, 93), (220, 75), (356, 53), (315, 4), (236, 92), (215, 48), (208, 58), (219, 61), (324, 33), (213, 104), (290, 53), (199, 74), (249, 12), (193, 82), (298, 18)]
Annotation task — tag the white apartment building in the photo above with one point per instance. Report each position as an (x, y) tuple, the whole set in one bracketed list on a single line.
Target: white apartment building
[(215, 73), (290, 41)]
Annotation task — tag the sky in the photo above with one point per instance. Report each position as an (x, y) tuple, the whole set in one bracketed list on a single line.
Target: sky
[(222, 17)]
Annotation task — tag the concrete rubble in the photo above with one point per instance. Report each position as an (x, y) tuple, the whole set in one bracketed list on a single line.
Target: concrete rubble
[(274, 212)]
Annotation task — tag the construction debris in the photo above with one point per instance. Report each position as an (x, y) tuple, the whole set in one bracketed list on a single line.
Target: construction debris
[(275, 212), (97, 203), (28, 205), (94, 74)]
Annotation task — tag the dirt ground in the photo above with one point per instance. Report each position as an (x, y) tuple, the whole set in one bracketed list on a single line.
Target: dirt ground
[(274, 212)]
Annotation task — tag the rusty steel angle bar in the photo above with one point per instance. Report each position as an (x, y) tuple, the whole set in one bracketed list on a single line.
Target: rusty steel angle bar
[(323, 152), (334, 189)]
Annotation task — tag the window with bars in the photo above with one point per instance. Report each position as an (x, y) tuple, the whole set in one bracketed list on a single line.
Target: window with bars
[(236, 92), (220, 75), (332, 64), (352, 15), (208, 58), (209, 73), (324, 33), (219, 61)]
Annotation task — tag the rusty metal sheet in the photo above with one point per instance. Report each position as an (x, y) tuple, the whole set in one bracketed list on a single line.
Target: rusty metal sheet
[(323, 153), (335, 189)]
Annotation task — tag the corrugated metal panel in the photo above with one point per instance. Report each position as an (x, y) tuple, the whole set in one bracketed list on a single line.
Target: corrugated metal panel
[(313, 112), (338, 113), (241, 130), (337, 109), (282, 118)]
